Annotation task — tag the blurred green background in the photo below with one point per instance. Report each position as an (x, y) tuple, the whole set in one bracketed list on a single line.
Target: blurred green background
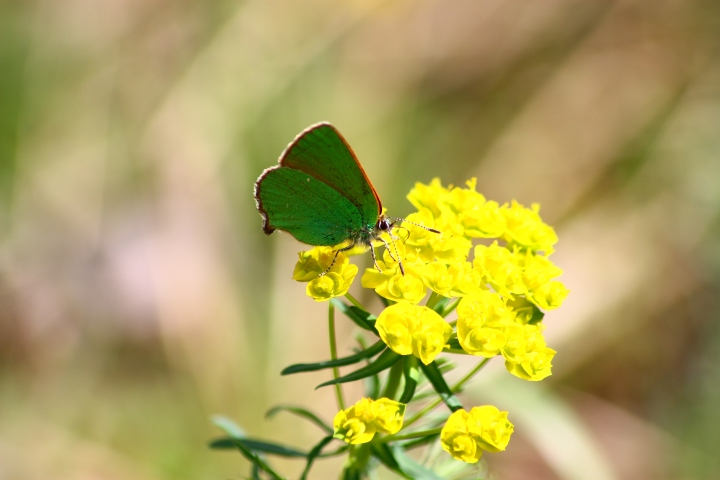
[(139, 296)]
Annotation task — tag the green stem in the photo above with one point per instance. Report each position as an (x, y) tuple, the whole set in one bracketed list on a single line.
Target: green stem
[(409, 436), (393, 381), (450, 307), (356, 463), (354, 301), (333, 355), (434, 298), (455, 389)]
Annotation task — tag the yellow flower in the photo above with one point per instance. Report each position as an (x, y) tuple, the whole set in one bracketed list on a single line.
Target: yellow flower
[(538, 270), (391, 284), (433, 197), (483, 318), (466, 434), (453, 280), (360, 423), (332, 284), (500, 268), (411, 329), (526, 353), (526, 229), (550, 295), (535, 366), (478, 217), (335, 283)]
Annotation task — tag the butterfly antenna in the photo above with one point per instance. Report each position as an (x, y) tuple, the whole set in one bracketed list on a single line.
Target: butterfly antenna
[(395, 220)]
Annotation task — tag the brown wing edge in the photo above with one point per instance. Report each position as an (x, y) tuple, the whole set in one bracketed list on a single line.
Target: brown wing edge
[(347, 145), (267, 228)]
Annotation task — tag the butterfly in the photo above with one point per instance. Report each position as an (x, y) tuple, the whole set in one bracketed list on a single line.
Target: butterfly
[(320, 194)]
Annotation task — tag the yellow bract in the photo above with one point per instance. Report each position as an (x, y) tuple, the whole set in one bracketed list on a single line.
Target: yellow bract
[(411, 329), (466, 434), (526, 228), (334, 283), (360, 423)]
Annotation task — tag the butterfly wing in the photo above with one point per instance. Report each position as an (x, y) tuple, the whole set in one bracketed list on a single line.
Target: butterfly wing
[(320, 151), (308, 209)]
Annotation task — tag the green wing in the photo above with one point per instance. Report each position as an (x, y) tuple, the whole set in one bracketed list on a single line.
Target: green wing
[(305, 207), (323, 153)]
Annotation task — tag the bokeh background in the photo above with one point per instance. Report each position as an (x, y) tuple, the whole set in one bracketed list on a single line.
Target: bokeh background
[(139, 296)]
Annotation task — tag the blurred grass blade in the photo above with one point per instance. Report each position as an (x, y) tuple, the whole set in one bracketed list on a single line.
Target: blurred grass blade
[(411, 467), (257, 446), (432, 372), (300, 412), (382, 452), (228, 426), (257, 461), (340, 362), (314, 453), (386, 360)]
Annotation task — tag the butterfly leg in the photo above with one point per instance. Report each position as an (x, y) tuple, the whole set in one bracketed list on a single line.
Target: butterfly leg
[(337, 252), (395, 257)]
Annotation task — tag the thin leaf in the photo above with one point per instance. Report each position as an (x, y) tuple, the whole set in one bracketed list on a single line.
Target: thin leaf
[(441, 304), (419, 442), (257, 446), (257, 461), (340, 362), (228, 426), (386, 360), (412, 468), (382, 452), (432, 372), (300, 412), (362, 319), (314, 453)]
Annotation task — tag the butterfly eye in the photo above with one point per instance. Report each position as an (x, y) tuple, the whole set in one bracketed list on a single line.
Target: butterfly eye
[(384, 225)]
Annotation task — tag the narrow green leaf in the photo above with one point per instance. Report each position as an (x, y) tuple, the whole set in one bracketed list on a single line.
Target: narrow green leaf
[(228, 426), (257, 461), (441, 304), (411, 374), (362, 319), (382, 452), (412, 468), (257, 446), (255, 472), (419, 442), (340, 362), (314, 453), (432, 372), (386, 360), (300, 412)]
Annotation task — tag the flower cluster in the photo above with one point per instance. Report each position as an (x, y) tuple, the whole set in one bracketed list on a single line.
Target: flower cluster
[(491, 263), (466, 434), (360, 423), (487, 326)]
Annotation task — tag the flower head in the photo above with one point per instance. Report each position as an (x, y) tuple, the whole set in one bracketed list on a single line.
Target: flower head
[(411, 329), (466, 434), (360, 423), (334, 283)]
